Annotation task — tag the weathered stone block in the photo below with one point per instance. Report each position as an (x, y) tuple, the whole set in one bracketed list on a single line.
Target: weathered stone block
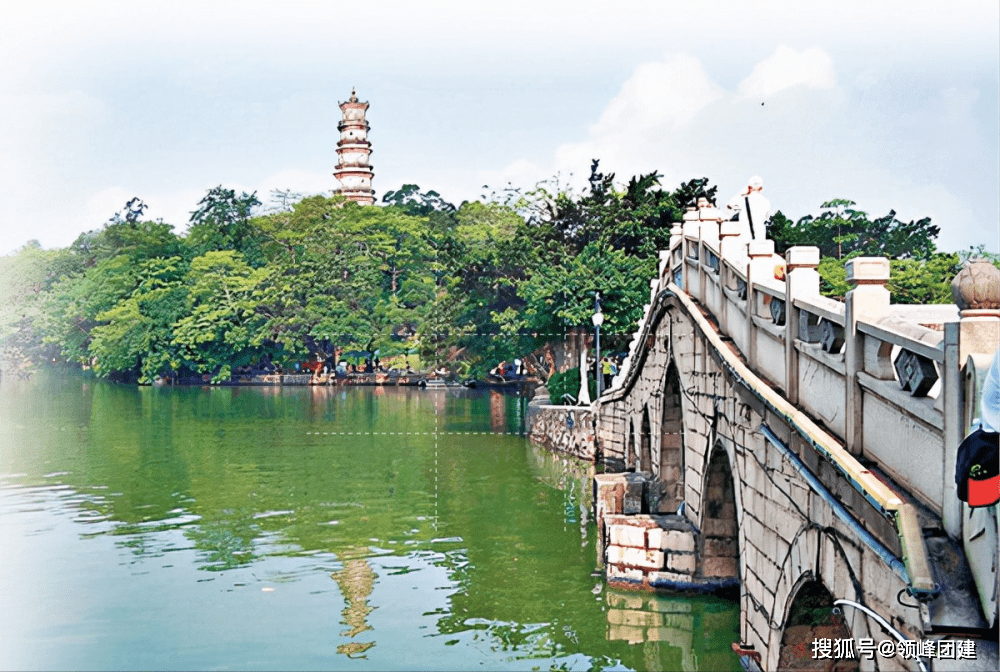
[(769, 573), (670, 473), (685, 563), (758, 622), (868, 270), (642, 558), (616, 572), (670, 540), (609, 493), (635, 485), (663, 578), (760, 248), (655, 495), (787, 524), (802, 256), (671, 440), (627, 535), (719, 567), (721, 547), (717, 528)]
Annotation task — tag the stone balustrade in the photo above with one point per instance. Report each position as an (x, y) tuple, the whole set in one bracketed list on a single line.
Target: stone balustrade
[(883, 379)]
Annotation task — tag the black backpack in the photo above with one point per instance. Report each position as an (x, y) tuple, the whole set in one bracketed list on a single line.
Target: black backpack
[(977, 468)]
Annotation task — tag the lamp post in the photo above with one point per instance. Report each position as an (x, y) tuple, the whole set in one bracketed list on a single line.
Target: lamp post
[(598, 319)]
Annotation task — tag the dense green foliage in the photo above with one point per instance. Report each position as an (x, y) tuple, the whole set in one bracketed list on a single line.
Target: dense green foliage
[(472, 285), (919, 273)]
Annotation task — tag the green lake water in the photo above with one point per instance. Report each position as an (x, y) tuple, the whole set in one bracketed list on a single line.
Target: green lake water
[(310, 528)]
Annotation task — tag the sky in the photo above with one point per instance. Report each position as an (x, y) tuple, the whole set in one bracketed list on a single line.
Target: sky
[(893, 105)]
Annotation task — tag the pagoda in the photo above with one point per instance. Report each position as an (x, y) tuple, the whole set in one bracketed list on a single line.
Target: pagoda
[(353, 170)]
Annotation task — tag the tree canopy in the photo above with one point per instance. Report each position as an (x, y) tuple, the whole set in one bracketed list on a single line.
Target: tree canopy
[(311, 276)]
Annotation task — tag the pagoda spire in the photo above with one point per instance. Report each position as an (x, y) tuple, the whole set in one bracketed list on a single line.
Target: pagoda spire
[(353, 151)]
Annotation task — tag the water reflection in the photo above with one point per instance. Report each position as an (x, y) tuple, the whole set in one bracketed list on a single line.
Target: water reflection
[(356, 581), (416, 519), (671, 629)]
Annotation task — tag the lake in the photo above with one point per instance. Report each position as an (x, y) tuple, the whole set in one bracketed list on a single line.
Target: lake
[(310, 528)]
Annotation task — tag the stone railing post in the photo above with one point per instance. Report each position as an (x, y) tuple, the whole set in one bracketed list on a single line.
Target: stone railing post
[(954, 432), (676, 251), (676, 235), (976, 291), (731, 246), (710, 232), (664, 267), (691, 229), (869, 299), (733, 249), (759, 268), (801, 280)]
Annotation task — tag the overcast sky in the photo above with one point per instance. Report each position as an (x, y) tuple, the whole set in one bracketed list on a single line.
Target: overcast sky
[(890, 104)]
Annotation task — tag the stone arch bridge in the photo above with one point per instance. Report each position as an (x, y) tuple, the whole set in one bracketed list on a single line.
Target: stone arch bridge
[(762, 436)]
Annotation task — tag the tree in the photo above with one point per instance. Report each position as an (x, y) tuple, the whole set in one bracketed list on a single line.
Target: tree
[(222, 327), (76, 300), (222, 222), (412, 201), (919, 274), (25, 278), (841, 231), (603, 239), (560, 296), (137, 334)]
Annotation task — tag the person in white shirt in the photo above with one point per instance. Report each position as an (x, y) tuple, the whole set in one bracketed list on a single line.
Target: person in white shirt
[(753, 210)]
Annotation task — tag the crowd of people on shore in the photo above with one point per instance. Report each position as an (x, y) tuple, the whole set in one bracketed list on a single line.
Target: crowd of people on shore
[(327, 372)]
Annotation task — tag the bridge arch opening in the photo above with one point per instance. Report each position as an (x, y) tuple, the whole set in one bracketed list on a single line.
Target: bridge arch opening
[(672, 442), (645, 449), (720, 527), (812, 617)]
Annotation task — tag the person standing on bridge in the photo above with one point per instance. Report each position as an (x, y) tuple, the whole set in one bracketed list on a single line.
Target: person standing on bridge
[(752, 210), (606, 370)]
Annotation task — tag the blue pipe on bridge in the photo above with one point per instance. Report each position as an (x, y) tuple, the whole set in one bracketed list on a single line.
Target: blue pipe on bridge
[(895, 563)]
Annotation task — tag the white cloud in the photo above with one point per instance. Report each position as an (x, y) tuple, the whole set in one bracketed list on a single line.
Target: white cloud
[(655, 106), (922, 155), (811, 67), (659, 94)]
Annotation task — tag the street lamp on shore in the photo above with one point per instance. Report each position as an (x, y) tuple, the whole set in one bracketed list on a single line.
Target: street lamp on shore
[(598, 319)]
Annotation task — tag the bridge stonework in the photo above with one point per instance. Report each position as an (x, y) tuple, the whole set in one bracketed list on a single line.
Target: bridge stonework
[(758, 519), (799, 447)]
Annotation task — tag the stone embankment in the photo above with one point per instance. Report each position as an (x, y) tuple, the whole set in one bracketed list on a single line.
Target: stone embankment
[(563, 429)]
